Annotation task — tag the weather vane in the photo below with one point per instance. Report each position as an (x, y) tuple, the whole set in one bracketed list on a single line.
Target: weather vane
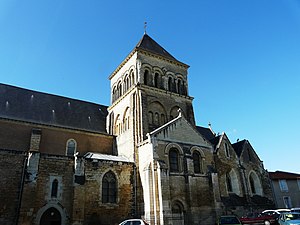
[(145, 27)]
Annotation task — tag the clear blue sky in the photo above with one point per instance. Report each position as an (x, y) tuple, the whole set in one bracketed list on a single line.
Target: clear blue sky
[(244, 58)]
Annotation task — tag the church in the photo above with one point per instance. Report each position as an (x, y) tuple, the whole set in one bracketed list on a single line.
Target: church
[(70, 162)]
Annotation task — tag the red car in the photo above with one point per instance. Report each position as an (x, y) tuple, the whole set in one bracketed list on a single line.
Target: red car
[(258, 218)]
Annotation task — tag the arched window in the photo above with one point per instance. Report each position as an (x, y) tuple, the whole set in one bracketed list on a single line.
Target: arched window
[(156, 80), (150, 117), (131, 78), (114, 95), (252, 184), (197, 159), (54, 188), (71, 147), (109, 188), (174, 160), (228, 182), (179, 86), (177, 213), (156, 119), (146, 77), (170, 82), (119, 90), (255, 185), (183, 88)]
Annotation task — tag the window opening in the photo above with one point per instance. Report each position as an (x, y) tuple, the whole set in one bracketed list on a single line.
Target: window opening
[(197, 162), (228, 182), (283, 185), (252, 185), (54, 188), (71, 147), (146, 77), (156, 77), (109, 188), (173, 160)]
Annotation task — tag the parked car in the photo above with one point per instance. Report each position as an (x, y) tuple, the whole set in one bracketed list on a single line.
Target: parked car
[(228, 219), (134, 222), (291, 218), (295, 210), (258, 218), (275, 211)]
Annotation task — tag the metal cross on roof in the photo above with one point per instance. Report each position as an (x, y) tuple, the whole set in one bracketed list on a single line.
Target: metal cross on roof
[(145, 27)]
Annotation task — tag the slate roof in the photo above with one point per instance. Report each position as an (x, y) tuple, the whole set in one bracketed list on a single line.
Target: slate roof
[(238, 147), (206, 132), (148, 44), (47, 109), (283, 175)]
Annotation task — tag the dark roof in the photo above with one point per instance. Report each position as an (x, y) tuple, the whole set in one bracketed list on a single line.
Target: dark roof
[(148, 44), (283, 175), (47, 109), (238, 147), (206, 132)]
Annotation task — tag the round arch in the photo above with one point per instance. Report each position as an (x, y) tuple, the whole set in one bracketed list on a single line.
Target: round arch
[(254, 184), (178, 212), (234, 182), (51, 213)]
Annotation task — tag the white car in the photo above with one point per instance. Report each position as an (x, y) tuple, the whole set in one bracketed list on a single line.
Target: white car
[(295, 210), (275, 211), (134, 222)]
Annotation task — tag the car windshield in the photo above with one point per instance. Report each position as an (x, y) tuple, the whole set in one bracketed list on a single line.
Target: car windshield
[(229, 220), (292, 216)]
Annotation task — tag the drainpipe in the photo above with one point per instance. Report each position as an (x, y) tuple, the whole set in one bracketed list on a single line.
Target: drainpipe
[(21, 187)]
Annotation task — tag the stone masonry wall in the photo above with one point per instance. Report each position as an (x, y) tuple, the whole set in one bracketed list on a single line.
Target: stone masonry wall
[(11, 167)]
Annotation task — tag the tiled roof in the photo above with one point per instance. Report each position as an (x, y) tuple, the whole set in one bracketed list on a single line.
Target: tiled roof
[(147, 43), (283, 175), (47, 109)]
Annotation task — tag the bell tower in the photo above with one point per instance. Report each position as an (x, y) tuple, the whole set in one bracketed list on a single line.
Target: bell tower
[(147, 90)]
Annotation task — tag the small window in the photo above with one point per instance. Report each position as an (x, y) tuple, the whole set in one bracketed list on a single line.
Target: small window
[(150, 117), (197, 159), (156, 80), (156, 119), (229, 183), (227, 153), (178, 86), (252, 185), (283, 186), (54, 188), (146, 77), (174, 160), (71, 147), (109, 188), (170, 83), (287, 202)]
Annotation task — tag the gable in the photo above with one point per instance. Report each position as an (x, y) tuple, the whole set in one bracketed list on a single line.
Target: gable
[(245, 151), (181, 131)]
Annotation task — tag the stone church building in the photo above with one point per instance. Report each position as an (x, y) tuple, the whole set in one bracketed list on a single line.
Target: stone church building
[(65, 161)]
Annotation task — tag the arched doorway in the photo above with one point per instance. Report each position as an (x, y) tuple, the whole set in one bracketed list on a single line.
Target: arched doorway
[(177, 214), (51, 217)]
